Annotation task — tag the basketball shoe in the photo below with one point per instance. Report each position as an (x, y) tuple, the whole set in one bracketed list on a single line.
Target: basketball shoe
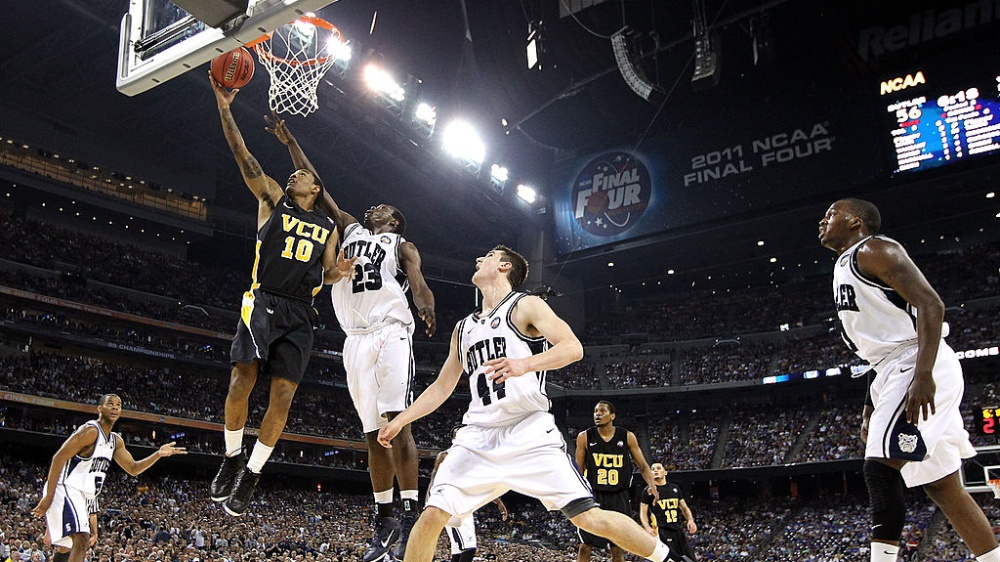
[(222, 485), (243, 487), (406, 521), (386, 536)]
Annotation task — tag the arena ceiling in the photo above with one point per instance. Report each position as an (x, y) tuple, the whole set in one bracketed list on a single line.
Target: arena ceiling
[(59, 63)]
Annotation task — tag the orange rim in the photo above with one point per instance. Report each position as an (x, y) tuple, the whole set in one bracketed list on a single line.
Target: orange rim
[(314, 20)]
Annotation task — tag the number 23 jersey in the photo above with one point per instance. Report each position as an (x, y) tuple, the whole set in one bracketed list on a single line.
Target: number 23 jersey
[(485, 337), (377, 294)]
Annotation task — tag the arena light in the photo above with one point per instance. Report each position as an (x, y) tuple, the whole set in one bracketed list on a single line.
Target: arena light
[(386, 89), (499, 173), (424, 118), (461, 141), (527, 193)]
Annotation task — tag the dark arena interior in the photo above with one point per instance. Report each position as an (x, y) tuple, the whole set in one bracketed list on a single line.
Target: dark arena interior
[(666, 197)]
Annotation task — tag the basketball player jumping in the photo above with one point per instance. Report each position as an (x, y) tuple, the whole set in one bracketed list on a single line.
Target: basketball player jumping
[(510, 440), (378, 353), (77, 475), (912, 427), (670, 511), (604, 454), (296, 254)]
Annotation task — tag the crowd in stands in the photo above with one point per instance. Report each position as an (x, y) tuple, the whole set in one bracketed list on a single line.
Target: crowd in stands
[(166, 516)]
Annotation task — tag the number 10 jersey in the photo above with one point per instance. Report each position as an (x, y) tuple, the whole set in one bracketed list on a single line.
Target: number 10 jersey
[(377, 294), (485, 337)]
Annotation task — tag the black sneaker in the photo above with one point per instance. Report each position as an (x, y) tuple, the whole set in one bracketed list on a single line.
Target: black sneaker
[(406, 521), (222, 484), (386, 536), (243, 488)]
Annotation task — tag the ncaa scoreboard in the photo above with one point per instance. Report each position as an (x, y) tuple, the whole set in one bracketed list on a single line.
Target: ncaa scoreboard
[(937, 120)]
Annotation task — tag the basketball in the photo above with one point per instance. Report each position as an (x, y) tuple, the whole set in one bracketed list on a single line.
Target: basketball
[(233, 69)]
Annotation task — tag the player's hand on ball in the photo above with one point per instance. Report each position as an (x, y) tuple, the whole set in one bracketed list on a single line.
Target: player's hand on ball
[(223, 96), (169, 450)]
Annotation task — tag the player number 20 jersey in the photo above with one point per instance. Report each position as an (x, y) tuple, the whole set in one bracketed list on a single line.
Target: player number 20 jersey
[(481, 338)]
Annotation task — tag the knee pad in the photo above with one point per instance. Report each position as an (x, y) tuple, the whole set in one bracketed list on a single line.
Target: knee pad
[(885, 494)]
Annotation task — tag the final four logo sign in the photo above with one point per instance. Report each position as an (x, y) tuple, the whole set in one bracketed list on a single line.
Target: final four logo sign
[(611, 193)]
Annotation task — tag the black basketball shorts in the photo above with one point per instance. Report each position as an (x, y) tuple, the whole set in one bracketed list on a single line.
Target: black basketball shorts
[(277, 331), (615, 501), (677, 540)]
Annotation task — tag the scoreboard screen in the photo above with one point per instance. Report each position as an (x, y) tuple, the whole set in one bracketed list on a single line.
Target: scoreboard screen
[(988, 421), (936, 122)]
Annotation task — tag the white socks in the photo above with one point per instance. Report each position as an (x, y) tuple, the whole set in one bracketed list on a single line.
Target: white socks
[(883, 552), (234, 441), (258, 457), (660, 553)]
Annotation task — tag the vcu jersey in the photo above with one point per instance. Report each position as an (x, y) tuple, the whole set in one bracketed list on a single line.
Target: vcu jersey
[(290, 248), (87, 474), (666, 510), (875, 320), (609, 463), (378, 291), (485, 337)]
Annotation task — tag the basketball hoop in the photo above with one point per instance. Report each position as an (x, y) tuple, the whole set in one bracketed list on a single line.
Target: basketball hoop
[(994, 484), (296, 56)]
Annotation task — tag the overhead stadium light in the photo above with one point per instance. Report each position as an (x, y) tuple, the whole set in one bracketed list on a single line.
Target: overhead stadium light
[(527, 193), (461, 141), (424, 118), (387, 91), (498, 177), (632, 73)]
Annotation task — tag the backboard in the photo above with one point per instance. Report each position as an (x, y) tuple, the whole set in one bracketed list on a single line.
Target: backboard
[(975, 471), (160, 40)]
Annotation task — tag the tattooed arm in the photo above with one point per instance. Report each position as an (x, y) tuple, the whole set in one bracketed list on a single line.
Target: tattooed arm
[(267, 191)]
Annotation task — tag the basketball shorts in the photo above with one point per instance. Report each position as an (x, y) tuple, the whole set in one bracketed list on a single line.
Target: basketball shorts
[(67, 516), (463, 535), (610, 501), (528, 457), (677, 541), (937, 445), (277, 331), (380, 370)]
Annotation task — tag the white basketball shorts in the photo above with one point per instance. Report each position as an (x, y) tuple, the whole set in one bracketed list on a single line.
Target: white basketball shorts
[(67, 515), (463, 535), (937, 445), (528, 457), (380, 371)]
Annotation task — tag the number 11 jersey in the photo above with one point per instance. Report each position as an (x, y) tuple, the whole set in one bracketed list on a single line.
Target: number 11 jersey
[(377, 294), (484, 337)]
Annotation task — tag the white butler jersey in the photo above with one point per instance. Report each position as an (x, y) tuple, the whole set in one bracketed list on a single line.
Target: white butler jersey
[(875, 319), (87, 474), (481, 338), (377, 293)]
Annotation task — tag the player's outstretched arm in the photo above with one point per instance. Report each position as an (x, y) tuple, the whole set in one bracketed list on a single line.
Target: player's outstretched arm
[(277, 127), (533, 317), (430, 399), (263, 187), (640, 461), (503, 509), (423, 298), (887, 261), (339, 267), (80, 440), (124, 458)]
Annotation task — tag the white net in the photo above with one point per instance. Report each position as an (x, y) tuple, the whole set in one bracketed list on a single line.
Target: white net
[(297, 56)]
